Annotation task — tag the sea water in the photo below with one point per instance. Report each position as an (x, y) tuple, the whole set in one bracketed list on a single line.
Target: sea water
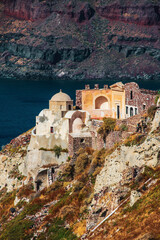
[(22, 100)]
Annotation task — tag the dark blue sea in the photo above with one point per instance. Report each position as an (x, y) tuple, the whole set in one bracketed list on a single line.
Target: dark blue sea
[(22, 100)]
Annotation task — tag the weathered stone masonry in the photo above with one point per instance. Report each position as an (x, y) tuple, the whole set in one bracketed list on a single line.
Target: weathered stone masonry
[(138, 98), (77, 141)]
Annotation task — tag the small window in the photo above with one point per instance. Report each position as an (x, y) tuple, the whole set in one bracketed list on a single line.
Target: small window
[(135, 111), (61, 107), (82, 140), (131, 95), (69, 107), (144, 106), (126, 110), (52, 130)]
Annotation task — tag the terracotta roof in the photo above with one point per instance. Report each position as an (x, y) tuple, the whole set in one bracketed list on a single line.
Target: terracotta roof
[(61, 97)]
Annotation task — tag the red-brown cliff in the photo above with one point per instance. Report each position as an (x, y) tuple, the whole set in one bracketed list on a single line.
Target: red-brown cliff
[(81, 39)]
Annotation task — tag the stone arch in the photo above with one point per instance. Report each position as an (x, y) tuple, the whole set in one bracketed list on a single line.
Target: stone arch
[(78, 114), (77, 125), (101, 102), (41, 180)]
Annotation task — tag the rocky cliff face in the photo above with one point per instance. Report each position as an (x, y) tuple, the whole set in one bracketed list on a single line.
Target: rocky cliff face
[(138, 13), (123, 166), (80, 39), (28, 10)]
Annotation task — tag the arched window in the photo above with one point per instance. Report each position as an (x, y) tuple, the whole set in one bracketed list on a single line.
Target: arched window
[(135, 111), (131, 112), (131, 95), (144, 106), (101, 103)]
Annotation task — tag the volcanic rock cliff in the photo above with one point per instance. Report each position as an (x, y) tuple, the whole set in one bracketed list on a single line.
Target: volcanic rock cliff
[(80, 39)]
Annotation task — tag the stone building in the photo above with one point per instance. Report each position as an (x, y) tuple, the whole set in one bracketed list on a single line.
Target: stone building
[(59, 125), (137, 100), (118, 101), (100, 103), (74, 129)]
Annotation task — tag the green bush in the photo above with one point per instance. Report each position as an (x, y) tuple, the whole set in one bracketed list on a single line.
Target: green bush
[(17, 229), (57, 231), (124, 127), (57, 150)]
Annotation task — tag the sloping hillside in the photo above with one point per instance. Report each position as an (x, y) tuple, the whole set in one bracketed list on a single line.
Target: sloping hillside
[(86, 193)]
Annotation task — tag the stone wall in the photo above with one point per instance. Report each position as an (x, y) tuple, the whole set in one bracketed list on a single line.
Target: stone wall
[(78, 141), (115, 136), (141, 98), (79, 98)]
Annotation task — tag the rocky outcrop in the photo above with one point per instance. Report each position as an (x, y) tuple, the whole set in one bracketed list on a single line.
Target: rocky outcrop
[(12, 164), (135, 195), (50, 55), (125, 166), (124, 157), (35, 9), (28, 10), (146, 14)]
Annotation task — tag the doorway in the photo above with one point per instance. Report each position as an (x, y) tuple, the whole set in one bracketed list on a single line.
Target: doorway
[(118, 111)]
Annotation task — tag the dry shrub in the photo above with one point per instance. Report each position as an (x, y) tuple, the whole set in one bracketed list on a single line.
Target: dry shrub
[(68, 172), (135, 139), (117, 128), (56, 194), (68, 212), (56, 185), (80, 228), (89, 150), (26, 190), (80, 151), (97, 160), (85, 192), (151, 111), (81, 163), (97, 171), (78, 186)]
